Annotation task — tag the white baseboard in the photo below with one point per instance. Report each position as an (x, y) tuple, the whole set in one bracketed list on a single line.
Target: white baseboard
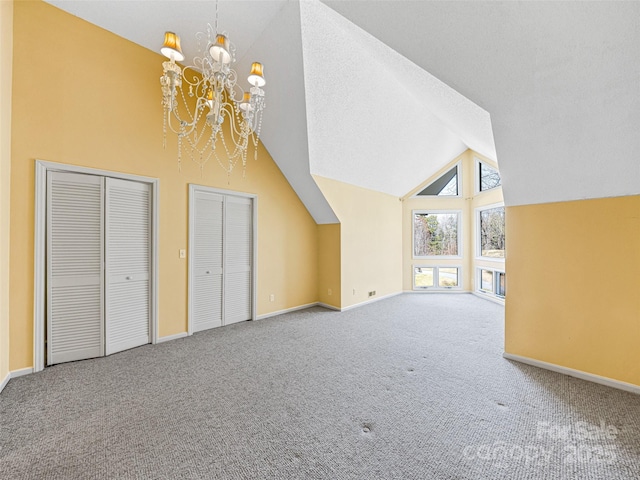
[(329, 307), (491, 298), (15, 374), (287, 310), (168, 338), (326, 305), (5, 381), (436, 292), (21, 372), (590, 377), (371, 300)]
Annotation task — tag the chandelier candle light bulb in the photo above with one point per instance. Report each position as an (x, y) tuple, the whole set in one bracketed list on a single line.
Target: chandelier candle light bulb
[(213, 83)]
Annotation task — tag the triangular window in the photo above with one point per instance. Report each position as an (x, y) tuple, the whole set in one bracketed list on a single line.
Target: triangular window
[(488, 177), (446, 185)]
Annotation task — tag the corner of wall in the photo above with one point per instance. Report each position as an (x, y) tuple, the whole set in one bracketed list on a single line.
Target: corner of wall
[(573, 294), (370, 240), (329, 281), (6, 75)]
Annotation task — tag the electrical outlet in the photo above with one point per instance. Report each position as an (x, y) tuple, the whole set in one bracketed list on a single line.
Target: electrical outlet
[(183, 253), (329, 292), (272, 297)]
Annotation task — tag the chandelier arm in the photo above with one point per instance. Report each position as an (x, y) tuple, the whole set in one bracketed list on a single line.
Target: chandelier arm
[(168, 116), (231, 91), (182, 131), (187, 128), (233, 119), (196, 75), (172, 114)]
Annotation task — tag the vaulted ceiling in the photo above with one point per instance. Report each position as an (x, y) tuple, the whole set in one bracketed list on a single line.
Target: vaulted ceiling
[(383, 94)]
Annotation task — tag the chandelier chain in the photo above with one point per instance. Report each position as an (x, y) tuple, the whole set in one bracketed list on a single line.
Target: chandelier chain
[(216, 25)]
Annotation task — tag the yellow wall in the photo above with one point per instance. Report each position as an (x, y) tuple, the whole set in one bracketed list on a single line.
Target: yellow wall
[(466, 203), (6, 63), (329, 269), (370, 240), (97, 103), (573, 295)]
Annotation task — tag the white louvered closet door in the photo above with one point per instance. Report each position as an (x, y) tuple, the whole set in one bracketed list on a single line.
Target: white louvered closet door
[(128, 264), (238, 259), (207, 261), (74, 267)]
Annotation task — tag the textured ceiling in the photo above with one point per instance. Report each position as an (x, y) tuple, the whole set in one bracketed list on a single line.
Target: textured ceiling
[(560, 79), (368, 122), (382, 94)]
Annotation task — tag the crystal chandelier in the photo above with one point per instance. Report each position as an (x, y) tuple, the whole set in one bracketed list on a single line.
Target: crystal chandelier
[(212, 95)]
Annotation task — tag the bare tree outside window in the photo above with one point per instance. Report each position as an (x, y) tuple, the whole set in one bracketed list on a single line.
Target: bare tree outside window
[(435, 234), (492, 232), (489, 177), (450, 188)]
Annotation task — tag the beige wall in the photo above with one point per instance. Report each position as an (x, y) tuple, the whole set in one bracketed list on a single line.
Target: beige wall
[(370, 240), (91, 98), (329, 268), (466, 203), (573, 284), (6, 64)]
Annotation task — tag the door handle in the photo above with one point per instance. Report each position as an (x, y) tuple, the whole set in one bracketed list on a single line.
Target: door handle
[(208, 272), (128, 278)]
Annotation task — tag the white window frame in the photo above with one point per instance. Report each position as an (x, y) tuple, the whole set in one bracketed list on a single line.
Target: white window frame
[(478, 286), (436, 257), (478, 237), (436, 277), (476, 177), (458, 167)]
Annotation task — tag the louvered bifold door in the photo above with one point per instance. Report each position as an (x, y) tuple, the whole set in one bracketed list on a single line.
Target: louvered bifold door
[(128, 264), (74, 267), (207, 261), (238, 259)]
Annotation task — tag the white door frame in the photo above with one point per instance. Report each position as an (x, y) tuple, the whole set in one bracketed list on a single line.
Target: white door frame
[(193, 188), (39, 291)]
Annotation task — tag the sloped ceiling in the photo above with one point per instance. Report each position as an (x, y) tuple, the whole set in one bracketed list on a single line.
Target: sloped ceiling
[(560, 79), (368, 122), (382, 94)]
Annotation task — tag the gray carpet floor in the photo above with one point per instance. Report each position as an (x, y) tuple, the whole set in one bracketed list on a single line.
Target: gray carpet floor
[(410, 387)]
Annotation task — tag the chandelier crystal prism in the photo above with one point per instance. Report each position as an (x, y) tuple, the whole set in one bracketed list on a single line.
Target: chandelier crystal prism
[(212, 95)]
